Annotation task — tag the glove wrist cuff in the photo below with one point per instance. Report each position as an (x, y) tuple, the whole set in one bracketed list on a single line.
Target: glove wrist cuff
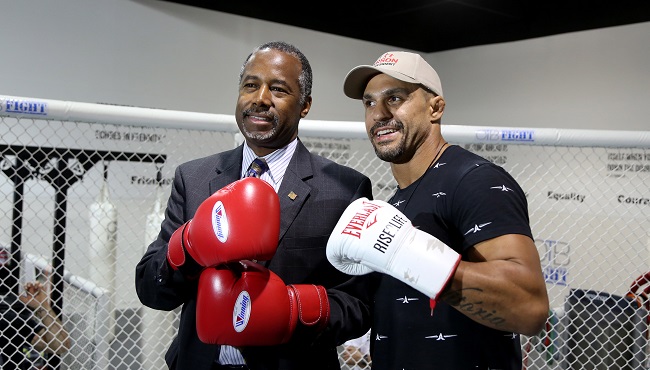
[(312, 305), (178, 257)]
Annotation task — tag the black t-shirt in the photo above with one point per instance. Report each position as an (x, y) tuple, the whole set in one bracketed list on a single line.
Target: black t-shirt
[(18, 329), (462, 200)]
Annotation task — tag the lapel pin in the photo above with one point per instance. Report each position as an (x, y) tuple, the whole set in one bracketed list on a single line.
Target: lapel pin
[(292, 195)]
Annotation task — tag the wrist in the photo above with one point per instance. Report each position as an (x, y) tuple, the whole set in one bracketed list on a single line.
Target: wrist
[(41, 312)]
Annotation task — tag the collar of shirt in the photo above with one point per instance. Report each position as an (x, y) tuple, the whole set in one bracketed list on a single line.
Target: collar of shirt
[(277, 161)]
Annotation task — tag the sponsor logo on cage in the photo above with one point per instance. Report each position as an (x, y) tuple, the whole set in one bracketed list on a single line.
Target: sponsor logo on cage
[(242, 311), (141, 137), (628, 156), (220, 222), (505, 135), (628, 167), (565, 196), (144, 180), (32, 107), (555, 256), (556, 274), (633, 200)]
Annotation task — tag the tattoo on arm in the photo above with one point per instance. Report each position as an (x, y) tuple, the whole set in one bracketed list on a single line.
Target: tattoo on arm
[(472, 309)]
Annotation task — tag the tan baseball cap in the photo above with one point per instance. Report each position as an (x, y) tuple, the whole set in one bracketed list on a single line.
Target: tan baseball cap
[(402, 65)]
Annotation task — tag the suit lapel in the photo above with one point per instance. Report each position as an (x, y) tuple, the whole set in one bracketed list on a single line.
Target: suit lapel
[(227, 168), (294, 191)]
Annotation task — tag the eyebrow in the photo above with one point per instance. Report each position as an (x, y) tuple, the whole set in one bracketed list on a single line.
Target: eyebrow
[(274, 81), (389, 92)]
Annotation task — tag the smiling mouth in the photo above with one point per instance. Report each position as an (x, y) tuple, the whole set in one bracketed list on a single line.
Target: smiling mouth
[(256, 117), (385, 131), (258, 114)]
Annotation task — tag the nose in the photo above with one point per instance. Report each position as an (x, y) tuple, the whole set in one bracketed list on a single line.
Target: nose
[(263, 96), (379, 113)]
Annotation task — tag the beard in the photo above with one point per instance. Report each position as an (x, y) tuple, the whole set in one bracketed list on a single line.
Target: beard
[(389, 152), (259, 136)]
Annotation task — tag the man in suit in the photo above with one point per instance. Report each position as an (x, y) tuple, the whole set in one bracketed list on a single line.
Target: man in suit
[(274, 94)]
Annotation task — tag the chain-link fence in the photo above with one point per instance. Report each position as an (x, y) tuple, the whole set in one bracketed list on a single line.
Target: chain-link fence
[(84, 186)]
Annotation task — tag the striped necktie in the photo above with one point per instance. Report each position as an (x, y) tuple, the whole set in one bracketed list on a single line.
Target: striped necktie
[(229, 355), (257, 168)]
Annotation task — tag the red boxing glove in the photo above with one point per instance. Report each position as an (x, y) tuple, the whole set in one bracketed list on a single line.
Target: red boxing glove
[(245, 304), (239, 221)]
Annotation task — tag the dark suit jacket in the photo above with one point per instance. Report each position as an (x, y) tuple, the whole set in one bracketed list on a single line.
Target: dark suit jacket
[(324, 189)]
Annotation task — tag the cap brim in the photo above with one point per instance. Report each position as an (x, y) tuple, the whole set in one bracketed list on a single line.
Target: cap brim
[(356, 80)]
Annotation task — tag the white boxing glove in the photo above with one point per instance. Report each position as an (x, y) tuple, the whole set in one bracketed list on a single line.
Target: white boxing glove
[(372, 235)]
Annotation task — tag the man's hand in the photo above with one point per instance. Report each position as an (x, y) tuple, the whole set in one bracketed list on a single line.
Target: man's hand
[(372, 235), (35, 296)]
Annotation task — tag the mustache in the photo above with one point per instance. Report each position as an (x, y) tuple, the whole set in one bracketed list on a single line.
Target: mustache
[(259, 112), (392, 123)]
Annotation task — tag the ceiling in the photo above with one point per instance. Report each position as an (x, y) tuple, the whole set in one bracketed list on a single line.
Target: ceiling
[(437, 25)]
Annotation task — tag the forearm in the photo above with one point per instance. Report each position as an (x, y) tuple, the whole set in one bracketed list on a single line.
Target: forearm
[(351, 308), (53, 338), (500, 294), (157, 285), (355, 357)]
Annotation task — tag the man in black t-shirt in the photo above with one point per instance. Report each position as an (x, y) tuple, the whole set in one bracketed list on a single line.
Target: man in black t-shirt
[(460, 273)]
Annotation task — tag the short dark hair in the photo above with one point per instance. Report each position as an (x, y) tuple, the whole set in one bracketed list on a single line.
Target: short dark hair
[(304, 80)]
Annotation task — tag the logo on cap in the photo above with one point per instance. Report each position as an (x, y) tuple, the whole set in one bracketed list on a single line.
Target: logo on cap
[(386, 59)]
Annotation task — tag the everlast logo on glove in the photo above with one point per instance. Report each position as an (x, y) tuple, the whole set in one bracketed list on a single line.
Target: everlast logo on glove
[(355, 225)]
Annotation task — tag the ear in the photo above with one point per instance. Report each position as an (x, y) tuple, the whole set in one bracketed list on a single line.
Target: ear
[(306, 107), (436, 108)]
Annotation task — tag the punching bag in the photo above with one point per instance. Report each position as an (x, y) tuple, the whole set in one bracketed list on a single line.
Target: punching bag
[(103, 244), (157, 326)]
